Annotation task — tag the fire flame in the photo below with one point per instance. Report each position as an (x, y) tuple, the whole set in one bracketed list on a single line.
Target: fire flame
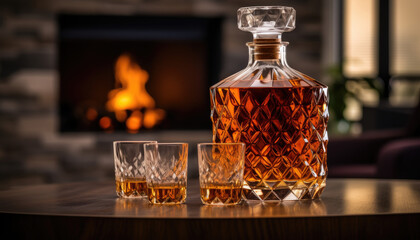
[(132, 95)]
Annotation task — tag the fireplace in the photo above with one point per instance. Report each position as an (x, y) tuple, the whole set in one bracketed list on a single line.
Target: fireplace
[(136, 73)]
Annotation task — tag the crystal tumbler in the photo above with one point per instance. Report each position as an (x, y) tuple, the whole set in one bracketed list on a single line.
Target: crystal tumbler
[(221, 168), (166, 172), (130, 173)]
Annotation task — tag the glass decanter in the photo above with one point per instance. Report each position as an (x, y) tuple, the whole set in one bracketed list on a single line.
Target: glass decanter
[(279, 113)]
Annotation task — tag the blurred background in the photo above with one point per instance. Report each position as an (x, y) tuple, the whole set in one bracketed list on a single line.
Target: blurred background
[(62, 62)]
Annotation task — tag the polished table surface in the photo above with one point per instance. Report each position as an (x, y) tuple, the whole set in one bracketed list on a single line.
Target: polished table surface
[(345, 204)]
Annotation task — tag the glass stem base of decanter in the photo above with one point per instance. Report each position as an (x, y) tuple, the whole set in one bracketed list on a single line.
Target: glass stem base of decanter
[(284, 191)]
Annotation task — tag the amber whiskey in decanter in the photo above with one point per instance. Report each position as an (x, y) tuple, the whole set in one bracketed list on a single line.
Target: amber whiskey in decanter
[(280, 114)]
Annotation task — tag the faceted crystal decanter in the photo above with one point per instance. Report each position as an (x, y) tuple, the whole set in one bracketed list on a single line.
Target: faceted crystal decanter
[(279, 113)]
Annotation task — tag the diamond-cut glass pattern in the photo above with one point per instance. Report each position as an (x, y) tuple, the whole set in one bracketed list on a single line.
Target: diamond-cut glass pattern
[(221, 168), (166, 164), (129, 159), (284, 130), (130, 168), (166, 172)]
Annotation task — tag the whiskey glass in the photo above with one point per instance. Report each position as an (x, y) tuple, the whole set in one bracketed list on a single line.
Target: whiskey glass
[(166, 172), (221, 170), (130, 172)]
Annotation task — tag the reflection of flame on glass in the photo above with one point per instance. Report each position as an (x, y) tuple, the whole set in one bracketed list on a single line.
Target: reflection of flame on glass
[(132, 95)]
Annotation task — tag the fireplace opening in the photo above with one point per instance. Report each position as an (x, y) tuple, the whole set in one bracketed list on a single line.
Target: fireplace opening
[(136, 73)]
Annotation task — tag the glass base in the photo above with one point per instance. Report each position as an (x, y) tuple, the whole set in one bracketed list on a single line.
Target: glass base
[(275, 191), (133, 195), (131, 187), (167, 194)]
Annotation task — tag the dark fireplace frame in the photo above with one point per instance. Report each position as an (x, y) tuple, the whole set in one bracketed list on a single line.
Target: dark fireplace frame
[(140, 28)]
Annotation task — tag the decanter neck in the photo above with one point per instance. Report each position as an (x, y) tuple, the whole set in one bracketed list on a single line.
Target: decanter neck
[(267, 50)]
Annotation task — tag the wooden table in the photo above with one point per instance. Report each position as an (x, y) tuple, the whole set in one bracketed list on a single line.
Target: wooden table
[(348, 209)]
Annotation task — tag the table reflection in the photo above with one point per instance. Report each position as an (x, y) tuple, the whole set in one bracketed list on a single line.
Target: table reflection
[(404, 196), (130, 205), (281, 209), (216, 211), (138, 206), (360, 196), (289, 208)]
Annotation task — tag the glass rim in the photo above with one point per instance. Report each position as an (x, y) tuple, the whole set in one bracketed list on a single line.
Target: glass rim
[(266, 7), (220, 144), (166, 144), (134, 141)]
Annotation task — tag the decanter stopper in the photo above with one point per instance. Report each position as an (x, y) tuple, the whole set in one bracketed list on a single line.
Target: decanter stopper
[(267, 22)]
